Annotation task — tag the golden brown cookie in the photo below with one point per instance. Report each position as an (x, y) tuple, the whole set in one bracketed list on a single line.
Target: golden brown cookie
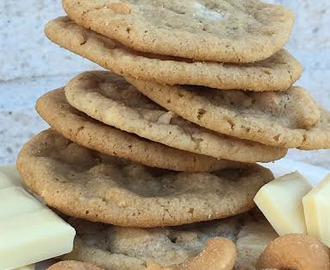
[(237, 31), (318, 137), (111, 100), (282, 118), (84, 130), (278, 72), (84, 183)]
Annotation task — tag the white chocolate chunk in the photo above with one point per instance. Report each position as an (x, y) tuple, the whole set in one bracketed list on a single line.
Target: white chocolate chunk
[(281, 202), (29, 231), (206, 13), (16, 201), (317, 211), (33, 237)]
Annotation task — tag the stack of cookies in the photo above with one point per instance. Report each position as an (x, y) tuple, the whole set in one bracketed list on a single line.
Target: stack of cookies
[(198, 93)]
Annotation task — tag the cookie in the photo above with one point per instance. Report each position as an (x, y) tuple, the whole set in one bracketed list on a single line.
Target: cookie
[(236, 31), (112, 247), (273, 118), (73, 265), (84, 183), (111, 100), (85, 131), (278, 72), (318, 137)]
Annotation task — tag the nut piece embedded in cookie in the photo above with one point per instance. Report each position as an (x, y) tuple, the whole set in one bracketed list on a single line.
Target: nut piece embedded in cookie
[(120, 7)]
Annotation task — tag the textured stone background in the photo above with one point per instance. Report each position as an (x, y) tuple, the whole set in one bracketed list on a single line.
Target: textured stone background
[(30, 65)]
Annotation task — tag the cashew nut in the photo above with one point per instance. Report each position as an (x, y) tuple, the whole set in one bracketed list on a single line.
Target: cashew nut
[(295, 251)]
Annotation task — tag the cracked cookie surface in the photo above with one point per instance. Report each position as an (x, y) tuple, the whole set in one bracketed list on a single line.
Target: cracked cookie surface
[(210, 30), (84, 130), (111, 100), (282, 118), (278, 72), (84, 183)]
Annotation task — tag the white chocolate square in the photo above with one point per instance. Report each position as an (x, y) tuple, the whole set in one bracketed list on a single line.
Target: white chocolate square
[(281, 202), (317, 211), (29, 231)]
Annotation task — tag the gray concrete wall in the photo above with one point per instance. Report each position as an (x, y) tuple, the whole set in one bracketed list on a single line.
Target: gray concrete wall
[(30, 65)]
